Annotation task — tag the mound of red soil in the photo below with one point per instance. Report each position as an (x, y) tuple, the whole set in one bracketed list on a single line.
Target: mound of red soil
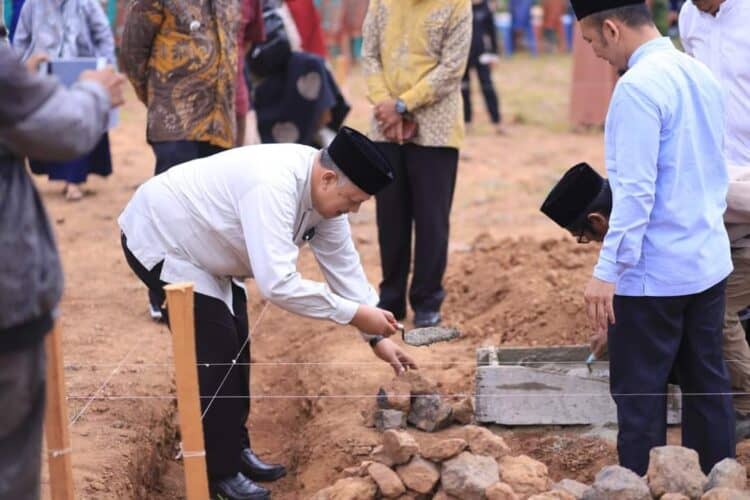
[(520, 291)]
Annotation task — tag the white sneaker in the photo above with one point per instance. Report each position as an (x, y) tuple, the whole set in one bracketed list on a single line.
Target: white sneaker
[(155, 312)]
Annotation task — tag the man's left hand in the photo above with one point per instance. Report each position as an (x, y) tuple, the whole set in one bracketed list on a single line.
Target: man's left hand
[(598, 296), (391, 353), (386, 114)]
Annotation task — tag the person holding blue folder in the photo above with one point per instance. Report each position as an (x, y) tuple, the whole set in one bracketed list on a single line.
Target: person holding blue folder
[(66, 30)]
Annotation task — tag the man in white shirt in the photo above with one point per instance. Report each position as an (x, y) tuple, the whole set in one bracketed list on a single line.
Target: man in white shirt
[(245, 213), (715, 33)]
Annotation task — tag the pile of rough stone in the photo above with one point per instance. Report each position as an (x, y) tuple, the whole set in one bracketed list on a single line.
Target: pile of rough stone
[(480, 466), (415, 400)]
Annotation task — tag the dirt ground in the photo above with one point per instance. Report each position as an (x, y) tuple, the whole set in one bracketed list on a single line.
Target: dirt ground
[(513, 278)]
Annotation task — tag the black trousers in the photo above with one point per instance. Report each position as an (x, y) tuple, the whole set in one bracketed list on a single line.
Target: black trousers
[(488, 91), (171, 153), (218, 338), (651, 337), (420, 197)]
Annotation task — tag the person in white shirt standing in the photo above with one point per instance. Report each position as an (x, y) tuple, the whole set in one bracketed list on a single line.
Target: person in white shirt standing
[(245, 213), (715, 33)]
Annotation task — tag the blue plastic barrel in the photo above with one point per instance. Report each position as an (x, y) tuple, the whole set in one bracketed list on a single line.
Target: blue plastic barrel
[(503, 25), (567, 23)]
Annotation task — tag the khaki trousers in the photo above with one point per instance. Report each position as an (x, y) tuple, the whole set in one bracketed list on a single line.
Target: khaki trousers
[(735, 347)]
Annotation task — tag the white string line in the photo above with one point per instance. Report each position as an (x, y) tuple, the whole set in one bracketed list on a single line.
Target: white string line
[(234, 360), (59, 453), (181, 453), (359, 363), (106, 381), (453, 395), (325, 363)]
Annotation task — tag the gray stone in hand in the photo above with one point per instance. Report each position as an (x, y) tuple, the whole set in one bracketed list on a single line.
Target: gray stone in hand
[(430, 335)]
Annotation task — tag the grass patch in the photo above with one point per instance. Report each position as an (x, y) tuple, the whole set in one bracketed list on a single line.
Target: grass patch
[(533, 90)]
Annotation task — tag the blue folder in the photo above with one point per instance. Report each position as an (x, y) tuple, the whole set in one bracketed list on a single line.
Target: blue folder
[(68, 71)]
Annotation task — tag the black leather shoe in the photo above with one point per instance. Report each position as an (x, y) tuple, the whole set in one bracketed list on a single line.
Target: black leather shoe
[(257, 470), (426, 318), (238, 488)]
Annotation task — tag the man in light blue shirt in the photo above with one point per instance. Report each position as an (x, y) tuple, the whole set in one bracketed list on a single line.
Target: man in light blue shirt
[(658, 286), (663, 143)]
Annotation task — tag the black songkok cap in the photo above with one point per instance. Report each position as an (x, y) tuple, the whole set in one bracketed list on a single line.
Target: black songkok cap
[(571, 196), (361, 160), (584, 8)]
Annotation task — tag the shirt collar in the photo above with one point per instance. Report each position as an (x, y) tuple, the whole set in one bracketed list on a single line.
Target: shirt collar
[(725, 7), (307, 191), (655, 45)]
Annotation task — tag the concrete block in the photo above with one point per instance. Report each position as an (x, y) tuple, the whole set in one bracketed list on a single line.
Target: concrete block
[(548, 386)]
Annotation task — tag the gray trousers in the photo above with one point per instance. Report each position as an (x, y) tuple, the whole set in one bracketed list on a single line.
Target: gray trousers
[(22, 399)]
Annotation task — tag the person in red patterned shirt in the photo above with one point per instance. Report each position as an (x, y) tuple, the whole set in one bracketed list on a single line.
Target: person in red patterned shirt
[(307, 20)]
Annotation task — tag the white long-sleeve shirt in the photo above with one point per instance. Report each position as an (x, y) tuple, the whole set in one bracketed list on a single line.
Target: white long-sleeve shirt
[(245, 213), (722, 43)]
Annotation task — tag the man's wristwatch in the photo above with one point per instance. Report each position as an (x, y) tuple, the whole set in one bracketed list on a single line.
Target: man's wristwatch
[(400, 106), (374, 340)]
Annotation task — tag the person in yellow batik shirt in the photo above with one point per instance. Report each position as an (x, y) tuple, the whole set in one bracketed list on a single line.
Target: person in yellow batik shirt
[(414, 56)]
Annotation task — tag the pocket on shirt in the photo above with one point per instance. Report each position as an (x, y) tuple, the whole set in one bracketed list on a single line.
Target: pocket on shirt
[(183, 21)]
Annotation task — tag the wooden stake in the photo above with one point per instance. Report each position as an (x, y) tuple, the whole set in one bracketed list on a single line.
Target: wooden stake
[(180, 307), (56, 421)]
